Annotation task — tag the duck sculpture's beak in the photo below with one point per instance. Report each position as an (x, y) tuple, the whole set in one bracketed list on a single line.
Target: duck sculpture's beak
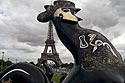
[(79, 19), (76, 10), (67, 14)]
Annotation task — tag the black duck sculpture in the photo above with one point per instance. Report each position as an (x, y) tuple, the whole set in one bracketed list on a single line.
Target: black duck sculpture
[(96, 59)]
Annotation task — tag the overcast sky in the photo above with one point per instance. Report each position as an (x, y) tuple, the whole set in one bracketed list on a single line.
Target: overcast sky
[(22, 36)]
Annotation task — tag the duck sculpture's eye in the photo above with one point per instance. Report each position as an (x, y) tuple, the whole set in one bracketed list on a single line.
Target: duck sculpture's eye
[(60, 15), (66, 10)]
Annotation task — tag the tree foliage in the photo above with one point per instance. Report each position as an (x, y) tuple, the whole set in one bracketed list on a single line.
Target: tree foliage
[(4, 64), (67, 65)]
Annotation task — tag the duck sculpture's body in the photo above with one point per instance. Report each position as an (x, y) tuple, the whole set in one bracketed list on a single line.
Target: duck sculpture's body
[(96, 59)]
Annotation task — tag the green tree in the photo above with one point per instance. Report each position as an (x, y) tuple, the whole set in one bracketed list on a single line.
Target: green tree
[(4, 64), (67, 65), (8, 63)]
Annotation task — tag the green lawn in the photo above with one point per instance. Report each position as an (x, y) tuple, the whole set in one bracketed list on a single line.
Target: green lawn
[(56, 78)]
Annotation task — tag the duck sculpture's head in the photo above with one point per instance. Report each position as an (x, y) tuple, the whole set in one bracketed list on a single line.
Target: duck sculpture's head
[(61, 10)]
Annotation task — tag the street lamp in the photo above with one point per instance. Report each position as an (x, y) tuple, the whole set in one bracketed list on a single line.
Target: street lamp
[(16, 60), (2, 61)]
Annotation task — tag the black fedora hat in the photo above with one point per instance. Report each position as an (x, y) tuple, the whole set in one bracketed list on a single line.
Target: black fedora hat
[(64, 3)]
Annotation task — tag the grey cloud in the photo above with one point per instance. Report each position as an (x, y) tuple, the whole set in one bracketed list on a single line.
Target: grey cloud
[(114, 32), (32, 36), (24, 49), (100, 15), (19, 24), (118, 6), (31, 4), (2, 46), (111, 33)]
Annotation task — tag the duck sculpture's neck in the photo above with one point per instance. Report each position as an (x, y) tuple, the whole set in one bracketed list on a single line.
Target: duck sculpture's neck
[(66, 32)]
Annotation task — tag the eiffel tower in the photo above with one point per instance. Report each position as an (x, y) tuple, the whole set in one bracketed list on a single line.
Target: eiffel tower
[(50, 52)]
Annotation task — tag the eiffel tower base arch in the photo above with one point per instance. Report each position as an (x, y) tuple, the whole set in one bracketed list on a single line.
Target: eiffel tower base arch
[(53, 57)]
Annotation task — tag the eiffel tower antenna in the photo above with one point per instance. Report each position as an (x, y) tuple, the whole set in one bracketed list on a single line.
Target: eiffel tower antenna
[(51, 2), (50, 52)]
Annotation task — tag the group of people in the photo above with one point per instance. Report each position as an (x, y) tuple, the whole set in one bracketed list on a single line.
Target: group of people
[(49, 72)]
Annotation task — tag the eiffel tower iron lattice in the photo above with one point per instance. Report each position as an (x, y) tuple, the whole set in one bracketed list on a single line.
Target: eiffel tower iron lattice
[(50, 52)]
